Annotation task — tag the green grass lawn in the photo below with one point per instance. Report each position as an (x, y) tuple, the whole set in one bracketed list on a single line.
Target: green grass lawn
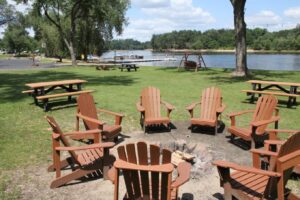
[(24, 136)]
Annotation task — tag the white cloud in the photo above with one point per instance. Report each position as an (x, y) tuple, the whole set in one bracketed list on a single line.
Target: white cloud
[(178, 15), (293, 13), (264, 18), (151, 3)]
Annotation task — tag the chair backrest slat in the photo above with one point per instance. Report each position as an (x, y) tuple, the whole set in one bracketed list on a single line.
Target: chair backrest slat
[(143, 160), (56, 129), (145, 184), (210, 101), (154, 160), (150, 100), (264, 110), (86, 106), (126, 173)]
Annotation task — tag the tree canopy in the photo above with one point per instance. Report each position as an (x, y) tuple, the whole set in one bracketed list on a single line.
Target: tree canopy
[(83, 26), (6, 12)]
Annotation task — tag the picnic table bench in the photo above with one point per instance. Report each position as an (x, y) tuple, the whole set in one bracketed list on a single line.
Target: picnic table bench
[(128, 66), (40, 91), (286, 89)]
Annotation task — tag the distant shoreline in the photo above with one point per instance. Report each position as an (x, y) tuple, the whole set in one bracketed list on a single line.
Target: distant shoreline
[(228, 51)]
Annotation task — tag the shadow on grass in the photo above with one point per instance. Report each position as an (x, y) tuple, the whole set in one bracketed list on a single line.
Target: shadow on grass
[(254, 74), (13, 84)]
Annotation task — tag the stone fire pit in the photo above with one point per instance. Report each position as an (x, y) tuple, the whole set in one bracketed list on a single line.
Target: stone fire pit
[(201, 164)]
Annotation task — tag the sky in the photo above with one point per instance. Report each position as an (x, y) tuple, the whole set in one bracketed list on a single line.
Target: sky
[(148, 17)]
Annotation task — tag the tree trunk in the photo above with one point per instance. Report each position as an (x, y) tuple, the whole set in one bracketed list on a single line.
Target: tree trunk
[(71, 50), (240, 37)]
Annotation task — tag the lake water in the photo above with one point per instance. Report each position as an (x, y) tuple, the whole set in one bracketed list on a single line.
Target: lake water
[(218, 60)]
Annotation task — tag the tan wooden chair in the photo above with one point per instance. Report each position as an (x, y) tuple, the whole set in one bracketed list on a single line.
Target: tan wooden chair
[(147, 172), (211, 109), (254, 183), (149, 106), (83, 160), (88, 113), (264, 114)]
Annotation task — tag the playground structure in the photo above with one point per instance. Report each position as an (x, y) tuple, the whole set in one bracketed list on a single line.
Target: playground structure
[(190, 64)]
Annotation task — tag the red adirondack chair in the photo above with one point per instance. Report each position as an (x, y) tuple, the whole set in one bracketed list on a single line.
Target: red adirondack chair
[(264, 114), (149, 106), (86, 110), (211, 109), (254, 183), (83, 160), (148, 177), (273, 145)]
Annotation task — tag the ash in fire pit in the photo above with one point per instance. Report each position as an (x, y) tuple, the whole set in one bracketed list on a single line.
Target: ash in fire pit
[(201, 164)]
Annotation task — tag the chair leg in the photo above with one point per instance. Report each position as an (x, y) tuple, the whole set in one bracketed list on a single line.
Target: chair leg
[(227, 192), (70, 177)]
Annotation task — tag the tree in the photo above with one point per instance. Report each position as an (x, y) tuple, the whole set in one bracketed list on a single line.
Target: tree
[(102, 18), (240, 37), (6, 12), (16, 39)]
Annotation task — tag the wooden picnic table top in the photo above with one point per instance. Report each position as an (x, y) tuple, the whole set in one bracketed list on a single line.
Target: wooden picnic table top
[(274, 83), (54, 83)]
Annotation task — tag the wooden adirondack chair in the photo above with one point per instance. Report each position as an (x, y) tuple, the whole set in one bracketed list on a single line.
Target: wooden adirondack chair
[(211, 109), (273, 145), (254, 183), (89, 159), (86, 110), (148, 177), (149, 106), (262, 117)]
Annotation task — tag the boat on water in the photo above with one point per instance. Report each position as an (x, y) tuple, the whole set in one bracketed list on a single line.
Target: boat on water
[(125, 57)]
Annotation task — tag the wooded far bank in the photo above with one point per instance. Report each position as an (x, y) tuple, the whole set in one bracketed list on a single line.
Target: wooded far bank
[(257, 39)]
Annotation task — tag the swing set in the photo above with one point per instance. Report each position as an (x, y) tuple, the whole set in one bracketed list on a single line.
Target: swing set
[(190, 64)]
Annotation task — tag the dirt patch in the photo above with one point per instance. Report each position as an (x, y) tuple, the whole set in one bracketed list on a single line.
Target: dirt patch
[(34, 181)]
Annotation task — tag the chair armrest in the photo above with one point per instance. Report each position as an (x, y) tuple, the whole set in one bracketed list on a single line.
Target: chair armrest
[(139, 107), (86, 147), (274, 132), (283, 131), (192, 106), (221, 109), (183, 170), (83, 133), (240, 113), (274, 142), (110, 112), (264, 152), (225, 164), (96, 121), (289, 160), (168, 105), (121, 164), (265, 122)]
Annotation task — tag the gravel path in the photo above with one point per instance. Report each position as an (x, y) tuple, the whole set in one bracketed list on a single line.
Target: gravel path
[(22, 63)]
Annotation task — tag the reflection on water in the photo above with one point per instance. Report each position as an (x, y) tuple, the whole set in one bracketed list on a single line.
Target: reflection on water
[(255, 61)]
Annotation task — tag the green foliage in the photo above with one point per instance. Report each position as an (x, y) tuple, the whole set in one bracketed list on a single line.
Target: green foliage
[(16, 39), (128, 44), (83, 26), (6, 12), (258, 39)]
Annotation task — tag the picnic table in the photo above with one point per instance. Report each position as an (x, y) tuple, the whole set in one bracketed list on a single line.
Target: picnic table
[(287, 89), (40, 91), (129, 66)]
